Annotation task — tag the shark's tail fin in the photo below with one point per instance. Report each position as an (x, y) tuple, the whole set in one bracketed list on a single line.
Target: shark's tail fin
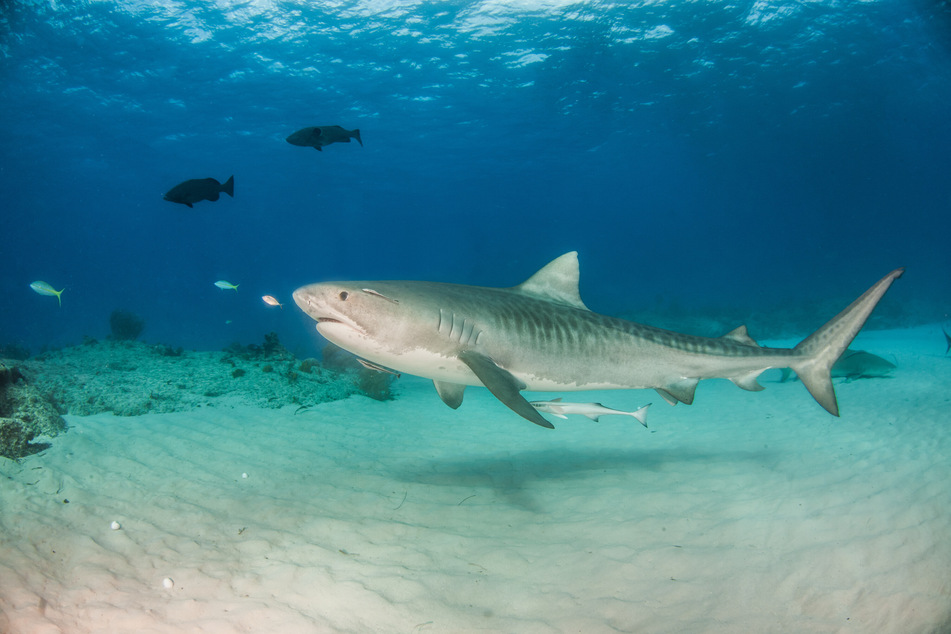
[(356, 135), (228, 187), (820, 350)]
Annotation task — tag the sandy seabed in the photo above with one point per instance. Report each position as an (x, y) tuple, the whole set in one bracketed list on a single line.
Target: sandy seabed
[(741, 513)]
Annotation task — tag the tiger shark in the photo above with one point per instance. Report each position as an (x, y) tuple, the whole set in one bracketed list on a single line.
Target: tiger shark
[(540, 336)]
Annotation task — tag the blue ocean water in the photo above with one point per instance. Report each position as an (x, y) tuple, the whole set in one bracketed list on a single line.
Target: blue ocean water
[(761, 155)]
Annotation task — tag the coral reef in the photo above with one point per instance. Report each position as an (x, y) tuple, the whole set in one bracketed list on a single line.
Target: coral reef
[(375, 384), (129, 378), (24, 415), (125, 325), (369, 382), (309, 365), (272, 349)]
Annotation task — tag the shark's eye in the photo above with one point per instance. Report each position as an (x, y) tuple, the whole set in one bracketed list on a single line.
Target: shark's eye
[(344, 295)]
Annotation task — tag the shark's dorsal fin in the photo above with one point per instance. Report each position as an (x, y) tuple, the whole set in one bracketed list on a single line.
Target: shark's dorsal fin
[(740, 335), (556, 282)]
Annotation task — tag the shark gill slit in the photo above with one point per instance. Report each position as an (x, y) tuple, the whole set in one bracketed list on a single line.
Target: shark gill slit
[(452, 326), (467, 329)]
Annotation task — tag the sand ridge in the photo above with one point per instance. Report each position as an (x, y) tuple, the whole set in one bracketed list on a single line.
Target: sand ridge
[(743, 512)]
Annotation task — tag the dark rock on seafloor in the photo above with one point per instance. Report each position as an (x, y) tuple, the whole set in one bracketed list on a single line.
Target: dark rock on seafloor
[(24, 414)]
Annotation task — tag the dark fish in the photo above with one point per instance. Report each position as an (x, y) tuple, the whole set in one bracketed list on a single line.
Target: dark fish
[(856, 364), (321, 135), (948, 337), (199, 189)]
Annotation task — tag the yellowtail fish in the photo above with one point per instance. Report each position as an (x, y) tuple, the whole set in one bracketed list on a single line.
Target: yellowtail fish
[(45, 289), (225, 285), (270, 300), (559, 408)]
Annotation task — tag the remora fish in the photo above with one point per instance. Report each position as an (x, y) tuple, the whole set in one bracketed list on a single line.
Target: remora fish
[(540, 336), (198, 189), (855, 364), (594, 411), (320, 135)]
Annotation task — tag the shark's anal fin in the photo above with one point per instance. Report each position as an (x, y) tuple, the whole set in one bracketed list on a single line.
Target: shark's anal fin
[(450, 393), (503, 386)]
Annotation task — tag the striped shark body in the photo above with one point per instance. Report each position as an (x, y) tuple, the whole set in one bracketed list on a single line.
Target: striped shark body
[(540, 336)]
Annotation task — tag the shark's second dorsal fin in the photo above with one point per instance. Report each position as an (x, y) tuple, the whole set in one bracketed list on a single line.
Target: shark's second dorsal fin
[(557, 282), (740, 335)]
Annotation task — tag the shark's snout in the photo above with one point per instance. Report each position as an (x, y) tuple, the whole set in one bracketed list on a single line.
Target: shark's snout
[(301, 299), (315, 301)]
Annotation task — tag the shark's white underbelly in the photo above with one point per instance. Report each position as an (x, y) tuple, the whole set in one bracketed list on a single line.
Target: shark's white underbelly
[(449, 369)]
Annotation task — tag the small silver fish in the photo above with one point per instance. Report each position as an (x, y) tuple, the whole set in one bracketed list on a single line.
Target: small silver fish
[(225, 285), (270, 300), (594, 411), (45, 289)]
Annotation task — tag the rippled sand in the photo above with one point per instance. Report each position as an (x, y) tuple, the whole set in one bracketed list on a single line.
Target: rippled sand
[(742, 513)]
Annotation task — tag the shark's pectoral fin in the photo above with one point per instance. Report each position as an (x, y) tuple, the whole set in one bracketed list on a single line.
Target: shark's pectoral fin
[(503, 385), (450, 393)]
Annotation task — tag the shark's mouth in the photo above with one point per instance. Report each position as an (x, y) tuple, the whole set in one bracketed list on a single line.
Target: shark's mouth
[(336, 323)]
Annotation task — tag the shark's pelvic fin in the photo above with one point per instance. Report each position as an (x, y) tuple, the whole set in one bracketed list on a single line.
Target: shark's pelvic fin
[(823, 348), (556, 282), (450, 393), (680, 392), (503, 385)]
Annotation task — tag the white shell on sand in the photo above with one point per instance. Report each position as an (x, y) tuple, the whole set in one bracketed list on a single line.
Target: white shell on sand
[(115, 525), (167, 583), (744, 512)]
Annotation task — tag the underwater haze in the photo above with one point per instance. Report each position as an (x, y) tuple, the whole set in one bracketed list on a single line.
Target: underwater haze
[(701, 156)]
